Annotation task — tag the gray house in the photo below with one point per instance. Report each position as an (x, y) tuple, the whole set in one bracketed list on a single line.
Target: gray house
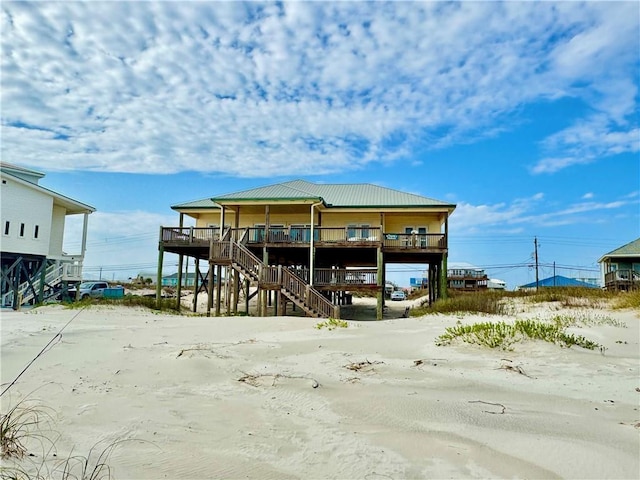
[(620, 268)]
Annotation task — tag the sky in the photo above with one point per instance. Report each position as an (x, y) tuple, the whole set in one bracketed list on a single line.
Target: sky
[(523, 114)]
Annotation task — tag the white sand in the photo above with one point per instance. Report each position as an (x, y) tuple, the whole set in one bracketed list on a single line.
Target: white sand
[(170, 386)]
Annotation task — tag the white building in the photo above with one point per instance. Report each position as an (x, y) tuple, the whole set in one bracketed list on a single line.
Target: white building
[(32, 222)]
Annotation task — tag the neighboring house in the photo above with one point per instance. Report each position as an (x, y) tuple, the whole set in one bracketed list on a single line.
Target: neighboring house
[(466, 277), (312, 244), (556, 281), (620, 268), (496, 284), (188, 280), (33, 264)]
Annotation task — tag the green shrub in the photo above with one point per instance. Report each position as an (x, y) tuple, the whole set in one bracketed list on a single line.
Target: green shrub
[(332, 323), (503, 335)]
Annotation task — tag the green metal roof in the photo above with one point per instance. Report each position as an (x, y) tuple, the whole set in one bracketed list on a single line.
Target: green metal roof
[(278, 191), (353, 195), (365, 195), (631, 249), (335, 195), (196, 204)]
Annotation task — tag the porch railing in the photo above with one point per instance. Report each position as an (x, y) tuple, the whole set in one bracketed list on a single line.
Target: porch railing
[(623, 275), (412, 241), (292, 235), (302, 235), (345, 277), (313, 299), (190, 235)]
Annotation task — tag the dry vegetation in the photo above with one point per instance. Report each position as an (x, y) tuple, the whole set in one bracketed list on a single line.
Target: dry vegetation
[(501, 303), (28, 448)]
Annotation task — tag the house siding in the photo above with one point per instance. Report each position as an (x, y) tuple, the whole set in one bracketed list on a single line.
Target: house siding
[(393, 222), (57, 231), (24, 205), (397, 222)]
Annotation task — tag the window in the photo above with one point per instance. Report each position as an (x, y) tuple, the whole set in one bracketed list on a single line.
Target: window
[(258, 233), (22, 229), (7, 224), (36, 231)]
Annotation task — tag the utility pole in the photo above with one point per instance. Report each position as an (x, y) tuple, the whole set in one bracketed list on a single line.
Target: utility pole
[(535, 244)]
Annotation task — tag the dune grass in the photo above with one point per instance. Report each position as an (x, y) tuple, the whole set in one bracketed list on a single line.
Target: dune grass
[(500, 303), (458, 303), (25, 427), (168, 305), (627, 300), (503, 335)]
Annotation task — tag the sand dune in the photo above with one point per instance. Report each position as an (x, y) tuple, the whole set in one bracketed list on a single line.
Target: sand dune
[(247, 397)]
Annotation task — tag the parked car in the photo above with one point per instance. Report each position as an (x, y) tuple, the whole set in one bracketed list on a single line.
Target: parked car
[(89, 289), (398, 295)]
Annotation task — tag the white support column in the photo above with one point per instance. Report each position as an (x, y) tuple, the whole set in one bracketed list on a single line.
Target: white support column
[(84, 234), (221, 221), (312, 253)]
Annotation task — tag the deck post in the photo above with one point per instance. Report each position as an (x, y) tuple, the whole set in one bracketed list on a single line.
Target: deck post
[(218, 288), (196, 285), (443, 278), (227, 290), (210, 276), (159, 275), (432, 282), (312, 248), (263, 294), (43, 279), (279, 292), (246, 297), (236, 291), (179, 289), (381, 279)]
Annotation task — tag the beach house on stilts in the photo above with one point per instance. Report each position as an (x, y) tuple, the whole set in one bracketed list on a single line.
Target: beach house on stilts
[(33, 264), (310, 245)]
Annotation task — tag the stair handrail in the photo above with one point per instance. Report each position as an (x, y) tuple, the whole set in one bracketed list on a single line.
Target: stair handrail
[(246, 259), (53, 274), (244, 238), (290, 282), (311, 297)]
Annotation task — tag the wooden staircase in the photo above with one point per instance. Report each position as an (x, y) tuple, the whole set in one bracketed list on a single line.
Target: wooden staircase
[(296, 289), (30, 289)]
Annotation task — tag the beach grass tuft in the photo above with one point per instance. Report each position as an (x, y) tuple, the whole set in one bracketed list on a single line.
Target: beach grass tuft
[(21, 423), (627, 300), (332, 323), (168, 305), (503, 335), (490, 303), (502, 302), (27, 425)]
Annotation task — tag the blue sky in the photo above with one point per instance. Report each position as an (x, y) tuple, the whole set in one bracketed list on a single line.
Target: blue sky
[(524, 114)]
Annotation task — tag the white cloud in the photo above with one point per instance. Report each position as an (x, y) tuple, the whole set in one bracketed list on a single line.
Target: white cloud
[(260, 89), (587, 142), (530, 211), (119, 244)]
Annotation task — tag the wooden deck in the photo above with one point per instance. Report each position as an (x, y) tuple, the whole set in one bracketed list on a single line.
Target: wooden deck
[(622, 280), (324, 237)]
